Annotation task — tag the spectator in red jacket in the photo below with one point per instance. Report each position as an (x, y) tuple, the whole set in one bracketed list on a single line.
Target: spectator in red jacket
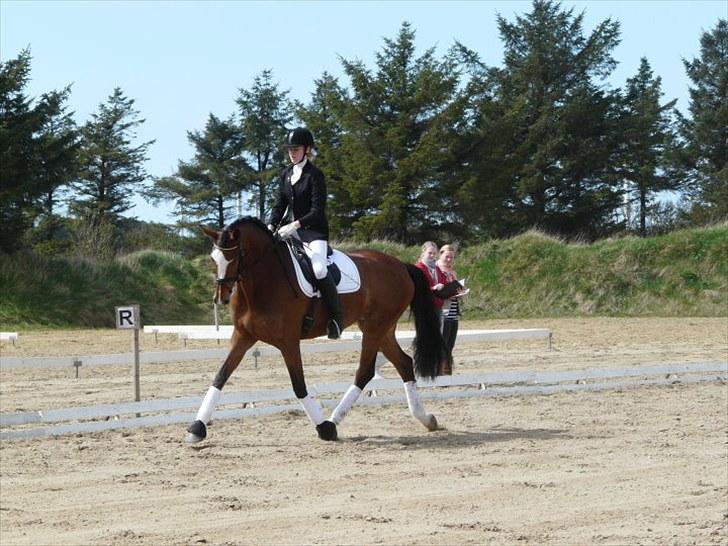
[(434, 275)]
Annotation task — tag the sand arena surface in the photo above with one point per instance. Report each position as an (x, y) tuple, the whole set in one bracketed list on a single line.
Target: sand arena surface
[(645, 465)]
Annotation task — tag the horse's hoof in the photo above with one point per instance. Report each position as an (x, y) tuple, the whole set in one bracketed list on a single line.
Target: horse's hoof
[(196, 432), (327, 431), (432, 423)]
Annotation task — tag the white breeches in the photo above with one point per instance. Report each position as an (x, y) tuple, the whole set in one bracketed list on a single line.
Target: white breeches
[(316, 250)]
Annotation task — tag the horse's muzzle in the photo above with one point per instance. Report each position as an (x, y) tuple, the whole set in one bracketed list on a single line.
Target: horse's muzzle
[(222, 293), (224, 290)]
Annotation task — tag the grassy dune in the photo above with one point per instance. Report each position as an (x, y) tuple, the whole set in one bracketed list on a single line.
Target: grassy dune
[(37, 290), (684, 273)]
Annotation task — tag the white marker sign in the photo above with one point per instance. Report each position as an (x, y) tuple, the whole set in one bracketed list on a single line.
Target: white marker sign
[(128, 317)]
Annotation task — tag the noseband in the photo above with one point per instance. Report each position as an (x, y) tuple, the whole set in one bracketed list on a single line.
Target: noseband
[(239, 257)]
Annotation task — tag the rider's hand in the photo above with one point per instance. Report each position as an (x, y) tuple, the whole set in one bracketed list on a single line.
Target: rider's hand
[(288, 230), (271, 228), (438, 286)]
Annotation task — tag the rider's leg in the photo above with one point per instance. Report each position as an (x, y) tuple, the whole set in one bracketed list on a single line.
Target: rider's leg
[(317, 252)]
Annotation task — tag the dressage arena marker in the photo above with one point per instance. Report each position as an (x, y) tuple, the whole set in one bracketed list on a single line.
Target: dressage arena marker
[(472, 385), (351, 341), (128, 318), (9, 336)]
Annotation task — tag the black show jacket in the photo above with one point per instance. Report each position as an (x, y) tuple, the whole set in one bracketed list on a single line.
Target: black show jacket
[(307, 199)]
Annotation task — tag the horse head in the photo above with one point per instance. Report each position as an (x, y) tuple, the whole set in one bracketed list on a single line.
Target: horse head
[(243, 240)]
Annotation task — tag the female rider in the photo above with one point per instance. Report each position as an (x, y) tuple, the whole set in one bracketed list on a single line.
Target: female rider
[(302, 194)]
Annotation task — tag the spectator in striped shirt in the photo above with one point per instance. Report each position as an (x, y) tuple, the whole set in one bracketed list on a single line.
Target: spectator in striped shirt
[(451, 307)]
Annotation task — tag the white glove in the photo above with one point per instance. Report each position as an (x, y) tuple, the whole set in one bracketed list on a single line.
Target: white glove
[(289, 229), (271, 228)]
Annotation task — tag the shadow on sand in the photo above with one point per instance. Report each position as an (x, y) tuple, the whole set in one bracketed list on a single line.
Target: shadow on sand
[(447, 439)]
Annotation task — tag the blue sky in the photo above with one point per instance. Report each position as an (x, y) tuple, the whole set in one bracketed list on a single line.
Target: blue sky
[(182, 60)]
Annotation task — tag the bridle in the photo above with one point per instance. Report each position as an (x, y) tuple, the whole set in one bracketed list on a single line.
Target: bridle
[(239, 255)]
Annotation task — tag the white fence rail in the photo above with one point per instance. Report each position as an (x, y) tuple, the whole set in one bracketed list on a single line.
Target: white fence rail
[(172, 411), (351, 342)]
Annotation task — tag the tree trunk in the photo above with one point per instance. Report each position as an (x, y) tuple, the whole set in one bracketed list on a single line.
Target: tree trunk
[(643, 212)]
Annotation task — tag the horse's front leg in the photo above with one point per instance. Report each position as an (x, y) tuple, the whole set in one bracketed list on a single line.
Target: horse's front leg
[(364, 375), (240, 343), (292, 356)]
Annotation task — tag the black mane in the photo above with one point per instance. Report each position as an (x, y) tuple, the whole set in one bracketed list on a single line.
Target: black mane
[(227, 231)]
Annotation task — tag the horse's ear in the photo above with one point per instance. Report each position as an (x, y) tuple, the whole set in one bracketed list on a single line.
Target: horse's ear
[(211, 233)]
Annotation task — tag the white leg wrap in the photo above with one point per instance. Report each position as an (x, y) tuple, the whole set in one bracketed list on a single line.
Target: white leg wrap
[(312, 409), (208, 404), (348, 400), (416, 408)]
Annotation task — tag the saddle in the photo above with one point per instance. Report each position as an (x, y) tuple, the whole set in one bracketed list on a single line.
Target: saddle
[(342, 269), (304, 262)]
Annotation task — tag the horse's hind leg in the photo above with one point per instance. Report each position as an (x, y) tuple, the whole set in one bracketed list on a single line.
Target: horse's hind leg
[(403, 364), (292, 355), (197, 431)]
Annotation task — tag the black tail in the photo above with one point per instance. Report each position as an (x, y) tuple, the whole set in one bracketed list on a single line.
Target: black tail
[(428, 345)]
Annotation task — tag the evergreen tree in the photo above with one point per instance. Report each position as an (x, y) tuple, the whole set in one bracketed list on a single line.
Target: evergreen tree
[(55, 153), (111, 163), (396, 129), (482, 158), (202, 189), (647, 133), (265, 113), (57, 164), (703, 157), (557, 130), (38, 144), (323, 117)]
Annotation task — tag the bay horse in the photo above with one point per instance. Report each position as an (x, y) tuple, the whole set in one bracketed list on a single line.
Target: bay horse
[(255, 275)]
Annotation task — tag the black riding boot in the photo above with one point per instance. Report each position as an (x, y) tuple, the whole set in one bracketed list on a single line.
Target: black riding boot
[(331, 299)]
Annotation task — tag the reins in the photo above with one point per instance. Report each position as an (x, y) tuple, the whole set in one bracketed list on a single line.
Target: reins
[(240, 255)]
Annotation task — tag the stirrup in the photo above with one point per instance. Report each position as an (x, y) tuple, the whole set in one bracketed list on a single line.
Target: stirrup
[(334, 329)]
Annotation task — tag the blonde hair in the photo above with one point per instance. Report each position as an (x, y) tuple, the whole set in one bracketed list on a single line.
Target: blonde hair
[(426, 245), (448, 248)]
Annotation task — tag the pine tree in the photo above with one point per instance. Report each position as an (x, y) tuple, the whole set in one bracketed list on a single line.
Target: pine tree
[(647, 133), (265, 113), (396, 125), (322, 115), (550, 130), (703, 157), (111, 163), (203, 188), (38, 146)]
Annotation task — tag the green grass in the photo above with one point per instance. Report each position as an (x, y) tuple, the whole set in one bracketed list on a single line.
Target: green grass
[(63, 292), (684, 273)]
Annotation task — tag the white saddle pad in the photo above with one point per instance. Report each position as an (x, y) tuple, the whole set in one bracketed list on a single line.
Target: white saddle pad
[(350, 280)]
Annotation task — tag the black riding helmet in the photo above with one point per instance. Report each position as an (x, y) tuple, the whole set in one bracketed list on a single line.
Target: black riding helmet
[(300, 136)]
